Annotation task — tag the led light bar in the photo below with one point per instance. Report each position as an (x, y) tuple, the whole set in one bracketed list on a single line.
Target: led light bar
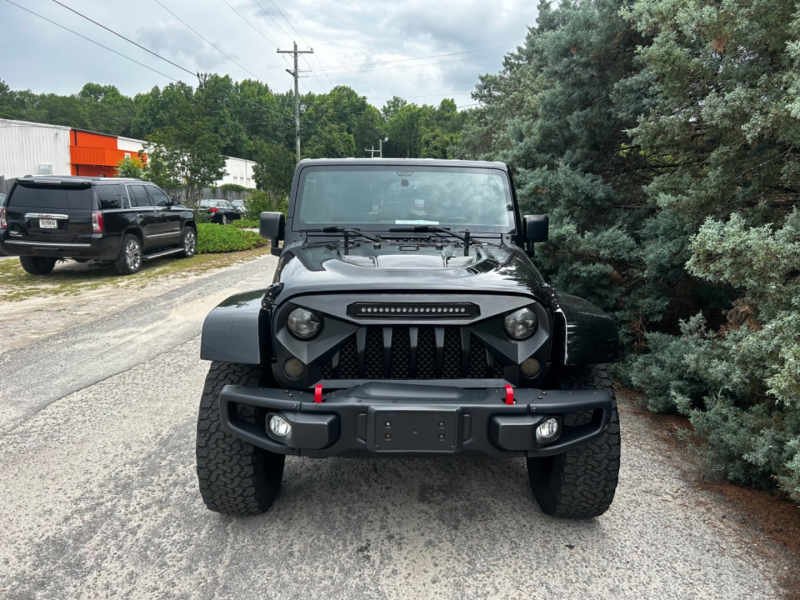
[(391, 310)]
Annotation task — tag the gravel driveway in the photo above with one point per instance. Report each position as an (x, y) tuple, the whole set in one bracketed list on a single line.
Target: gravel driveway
[(98, 495)]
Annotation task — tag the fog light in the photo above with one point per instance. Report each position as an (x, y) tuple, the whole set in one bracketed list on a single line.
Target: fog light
[(548, 431), (279, 426), (530, 367), (294, 368)]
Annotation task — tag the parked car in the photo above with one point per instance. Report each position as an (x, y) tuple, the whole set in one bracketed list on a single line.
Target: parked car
[(113, 220), (406, 318), (239, 205), (220, 211)]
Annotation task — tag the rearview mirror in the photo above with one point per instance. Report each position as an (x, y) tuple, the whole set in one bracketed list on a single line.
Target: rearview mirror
[(536, 230), (272, 226)]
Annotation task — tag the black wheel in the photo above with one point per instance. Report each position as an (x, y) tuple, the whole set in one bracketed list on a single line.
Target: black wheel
[(129, 260), (223, 220), (580, 484), (189, 242), (37, 265), (235, 477)]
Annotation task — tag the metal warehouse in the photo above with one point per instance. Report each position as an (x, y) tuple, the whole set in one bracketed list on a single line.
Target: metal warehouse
[(40, 149)]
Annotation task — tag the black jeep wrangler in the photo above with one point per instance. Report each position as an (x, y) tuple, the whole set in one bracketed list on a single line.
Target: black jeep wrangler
[(113, 220), (406, 319)]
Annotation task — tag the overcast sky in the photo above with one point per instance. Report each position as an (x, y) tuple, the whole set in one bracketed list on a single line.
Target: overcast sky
[(364, 44)]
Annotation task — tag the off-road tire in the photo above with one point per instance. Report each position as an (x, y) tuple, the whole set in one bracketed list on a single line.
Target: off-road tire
[(37, 265), (236, 478), (580, 484), (125, 264), (189, 242)]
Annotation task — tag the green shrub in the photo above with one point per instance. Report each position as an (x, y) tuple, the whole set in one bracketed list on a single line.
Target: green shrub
[(740, 385), (246, 223), (261, 201), (213, 239), (233, 187)]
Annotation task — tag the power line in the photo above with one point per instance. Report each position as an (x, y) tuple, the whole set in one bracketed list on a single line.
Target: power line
[(101, 45), (197, 33), (289, 22), (306, 43), (119, 35), (235, 93), (257, 30), (273, 20)]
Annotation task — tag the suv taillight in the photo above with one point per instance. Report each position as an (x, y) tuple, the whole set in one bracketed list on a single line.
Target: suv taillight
[(3, 223), (212, 210), (97, 222)]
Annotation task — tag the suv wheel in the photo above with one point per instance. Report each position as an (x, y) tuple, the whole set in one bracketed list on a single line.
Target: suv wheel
[(189, 242), (235, 477), (37, 265), (580, 484), (223, 220), (129, 260)]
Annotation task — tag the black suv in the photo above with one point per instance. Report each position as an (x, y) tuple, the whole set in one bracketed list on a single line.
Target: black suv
[(114, 220), (406, 318)]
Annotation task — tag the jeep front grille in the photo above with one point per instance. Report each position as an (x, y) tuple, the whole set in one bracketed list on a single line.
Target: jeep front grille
[(404, 352)]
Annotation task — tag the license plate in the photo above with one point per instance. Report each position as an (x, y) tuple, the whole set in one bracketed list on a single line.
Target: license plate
[(48, 224), (406, 429)]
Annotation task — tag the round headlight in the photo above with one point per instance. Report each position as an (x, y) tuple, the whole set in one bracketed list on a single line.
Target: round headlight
[(303, 323), (521, 324)]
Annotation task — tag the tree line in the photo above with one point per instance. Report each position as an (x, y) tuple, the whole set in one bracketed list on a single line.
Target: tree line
[(246, 119)]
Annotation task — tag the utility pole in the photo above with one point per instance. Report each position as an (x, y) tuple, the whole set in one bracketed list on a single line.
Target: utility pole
[(371, 151), (380, 145), (296, 75)]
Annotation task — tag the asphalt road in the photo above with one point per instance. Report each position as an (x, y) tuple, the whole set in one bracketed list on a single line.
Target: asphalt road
[(98, 495)]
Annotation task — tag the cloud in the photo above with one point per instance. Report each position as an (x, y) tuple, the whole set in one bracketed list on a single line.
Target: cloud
[(353, 39), (180, 45)]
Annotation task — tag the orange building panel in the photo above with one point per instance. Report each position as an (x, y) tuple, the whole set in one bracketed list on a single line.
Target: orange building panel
[(93, 154), (93, 140)]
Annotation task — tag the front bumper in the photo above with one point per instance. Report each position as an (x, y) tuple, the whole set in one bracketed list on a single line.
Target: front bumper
[(402, 419)]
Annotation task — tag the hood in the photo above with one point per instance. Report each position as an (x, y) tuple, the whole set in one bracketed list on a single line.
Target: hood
[(406, 267)]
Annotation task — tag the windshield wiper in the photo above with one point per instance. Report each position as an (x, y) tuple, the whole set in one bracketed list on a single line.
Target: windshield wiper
[(347, 231), (434, 229)]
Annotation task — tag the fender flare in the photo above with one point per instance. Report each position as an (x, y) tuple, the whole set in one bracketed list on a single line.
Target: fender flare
[(232, 331), (583, 334)]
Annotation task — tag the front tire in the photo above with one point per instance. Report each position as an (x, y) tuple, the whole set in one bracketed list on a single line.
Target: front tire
[(236, 478), (37, 265), (580, 484)]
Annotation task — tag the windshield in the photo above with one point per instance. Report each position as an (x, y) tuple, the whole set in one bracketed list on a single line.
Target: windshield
[(387, 196)]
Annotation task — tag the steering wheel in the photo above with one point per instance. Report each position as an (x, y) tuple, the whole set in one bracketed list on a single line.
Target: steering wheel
[(455, 220)]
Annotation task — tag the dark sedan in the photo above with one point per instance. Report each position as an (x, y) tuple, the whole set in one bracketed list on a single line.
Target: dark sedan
[(220, 211)]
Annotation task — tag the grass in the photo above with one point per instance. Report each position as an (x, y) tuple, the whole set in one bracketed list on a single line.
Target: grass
[(72, 278)]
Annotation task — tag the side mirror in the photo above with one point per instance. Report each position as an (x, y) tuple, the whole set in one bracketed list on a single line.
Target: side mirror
[(536, 229), (272, 226)]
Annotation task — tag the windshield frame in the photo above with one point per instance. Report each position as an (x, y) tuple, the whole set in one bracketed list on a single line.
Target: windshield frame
[(511, 229)]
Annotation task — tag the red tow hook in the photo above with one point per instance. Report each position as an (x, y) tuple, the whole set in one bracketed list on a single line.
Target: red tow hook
[(509, 395), (318, 393)]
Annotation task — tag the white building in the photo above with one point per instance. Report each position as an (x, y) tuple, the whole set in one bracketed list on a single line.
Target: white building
[(39, 149)]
